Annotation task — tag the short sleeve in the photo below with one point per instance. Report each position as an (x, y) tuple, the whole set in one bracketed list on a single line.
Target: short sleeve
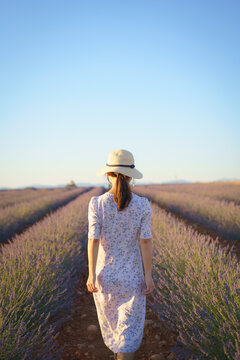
[(145, 227), (94, 223)]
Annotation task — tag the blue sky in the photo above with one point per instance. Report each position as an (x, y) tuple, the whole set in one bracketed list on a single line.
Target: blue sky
[(79, 79)]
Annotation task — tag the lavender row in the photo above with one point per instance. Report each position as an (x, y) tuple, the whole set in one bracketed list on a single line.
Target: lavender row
[(38, 270), (218, 215), (219, 191), (197, 288), (15, 196), (16, 217)]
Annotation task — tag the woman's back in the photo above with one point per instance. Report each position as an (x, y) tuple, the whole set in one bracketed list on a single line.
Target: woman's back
[(119, 262), (116, 226)]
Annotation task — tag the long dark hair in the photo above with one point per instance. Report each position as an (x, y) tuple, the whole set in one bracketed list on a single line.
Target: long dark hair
[(122, 192)]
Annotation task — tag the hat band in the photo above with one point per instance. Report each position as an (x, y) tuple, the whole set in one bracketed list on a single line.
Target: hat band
[(131, 166)]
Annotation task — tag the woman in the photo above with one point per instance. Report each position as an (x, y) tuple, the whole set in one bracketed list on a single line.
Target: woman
[(122, 220)]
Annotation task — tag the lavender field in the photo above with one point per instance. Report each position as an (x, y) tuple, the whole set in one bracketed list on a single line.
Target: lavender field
[(15, 196), (221, 216), (37, 272), (16, 215), (197, 288), (229, 191), (197, 282)]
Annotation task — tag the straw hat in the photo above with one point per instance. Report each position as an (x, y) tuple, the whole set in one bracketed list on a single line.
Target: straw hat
[(121, 161)]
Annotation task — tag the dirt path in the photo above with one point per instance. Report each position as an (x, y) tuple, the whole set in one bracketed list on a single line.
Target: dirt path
[(79, 344)]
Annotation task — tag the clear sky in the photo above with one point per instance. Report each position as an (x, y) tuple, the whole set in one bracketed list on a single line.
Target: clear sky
[(79, 79)]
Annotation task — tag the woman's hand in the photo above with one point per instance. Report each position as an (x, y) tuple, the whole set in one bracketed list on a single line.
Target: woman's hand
[(91, 283), (149, 284)]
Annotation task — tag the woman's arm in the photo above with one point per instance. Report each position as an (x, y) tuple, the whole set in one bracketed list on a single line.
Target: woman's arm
[(93, 245), (146, 250)]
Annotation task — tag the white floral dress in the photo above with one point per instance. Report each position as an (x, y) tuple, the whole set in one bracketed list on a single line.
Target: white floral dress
[(120, 300)]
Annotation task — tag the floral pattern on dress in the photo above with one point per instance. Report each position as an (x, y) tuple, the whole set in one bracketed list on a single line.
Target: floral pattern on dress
[(120, 300)]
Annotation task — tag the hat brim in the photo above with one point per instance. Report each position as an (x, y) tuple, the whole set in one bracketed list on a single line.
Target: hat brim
[(134, 173)]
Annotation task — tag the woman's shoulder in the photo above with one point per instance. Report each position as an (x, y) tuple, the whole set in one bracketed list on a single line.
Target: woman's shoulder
[(141, 201), (141, 198), (101, 198)]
